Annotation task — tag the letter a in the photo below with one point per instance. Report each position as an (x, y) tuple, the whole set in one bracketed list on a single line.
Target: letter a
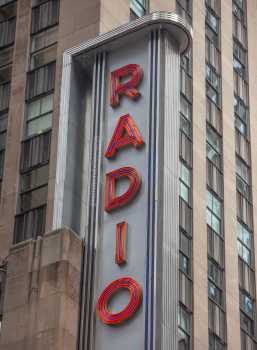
[(127, 88), (125, 133), (111, 200)]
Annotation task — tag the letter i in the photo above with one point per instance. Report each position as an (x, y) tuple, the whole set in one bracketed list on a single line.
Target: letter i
[(121, 233)]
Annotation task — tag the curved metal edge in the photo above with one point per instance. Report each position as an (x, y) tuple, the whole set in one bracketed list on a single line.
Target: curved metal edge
[(167, 20)]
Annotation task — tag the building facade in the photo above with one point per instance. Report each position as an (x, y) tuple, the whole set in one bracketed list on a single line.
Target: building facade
[(41, 269)]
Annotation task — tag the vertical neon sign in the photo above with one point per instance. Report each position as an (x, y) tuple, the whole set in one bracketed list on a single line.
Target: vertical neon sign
[(126, 133)]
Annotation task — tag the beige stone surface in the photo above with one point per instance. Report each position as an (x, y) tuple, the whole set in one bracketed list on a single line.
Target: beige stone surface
[(231, 255), (15, 128), (162, 5), (42, 293), (200, 278), (252, 59)]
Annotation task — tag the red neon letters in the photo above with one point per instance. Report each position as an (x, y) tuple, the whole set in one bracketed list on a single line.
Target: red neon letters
[(111, 200), (125, 133), (135, 300), (121, 232), (129, 87)]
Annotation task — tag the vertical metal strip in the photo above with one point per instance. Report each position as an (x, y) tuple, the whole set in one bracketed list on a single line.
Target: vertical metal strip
[(150, 268), (170, 263), (87, 289), (62, 143)]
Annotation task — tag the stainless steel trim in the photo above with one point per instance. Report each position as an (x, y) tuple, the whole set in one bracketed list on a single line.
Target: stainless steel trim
[(177, 26)]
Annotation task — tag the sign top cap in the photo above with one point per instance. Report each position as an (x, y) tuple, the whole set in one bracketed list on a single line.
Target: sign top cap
[(170, 21)]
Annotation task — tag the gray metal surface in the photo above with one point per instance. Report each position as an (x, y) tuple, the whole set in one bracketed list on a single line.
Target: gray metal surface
[(86, 125)]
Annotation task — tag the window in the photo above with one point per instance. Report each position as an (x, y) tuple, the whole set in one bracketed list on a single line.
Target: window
[(239, 52), (213, 146), (239, 30), (43, 48), (184, 9), (5, 89), (213, 115), (213, 213), (243, 178), (43, 57), (29, 224), (246, 304), (183, 340), (212, 20), (244, 243), (214, 5), (184, 320), (238, 12), (242, 170), (186, 84), (212, 54), (212, 77), (244, 209), (2, 290), (6, 56), (185, 150), (215, 246), (240, 110), (41, 80), (137, 8), (35, 151), (184, 256), (33, 199), (34, 188), (247, 313), (185, 216), (239, 59), (240, 88), (45, 15), (247, 323), (185, 115), (1, 164), (246, 277), (5, 2), (215, 282), (44, 39), (215, 343), (7, 25), (184, 183), (3, 130), (212, 36), (39, 115), (214, 178), (217, 321), (212, 94), (247, 343)]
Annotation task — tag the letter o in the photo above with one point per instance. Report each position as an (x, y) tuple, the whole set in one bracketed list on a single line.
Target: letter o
[(109, 318)]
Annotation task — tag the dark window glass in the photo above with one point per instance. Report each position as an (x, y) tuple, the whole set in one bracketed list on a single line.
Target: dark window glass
[(45, 15), (184, 320), (29, 224), (39, 115), (138, 8), (41, 81), (2, 153), (244, 243), (34, 178), (213, 146), (33, 199), (35, 151), (212, 77), (7, 25), (212, 20), (214, 212)]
